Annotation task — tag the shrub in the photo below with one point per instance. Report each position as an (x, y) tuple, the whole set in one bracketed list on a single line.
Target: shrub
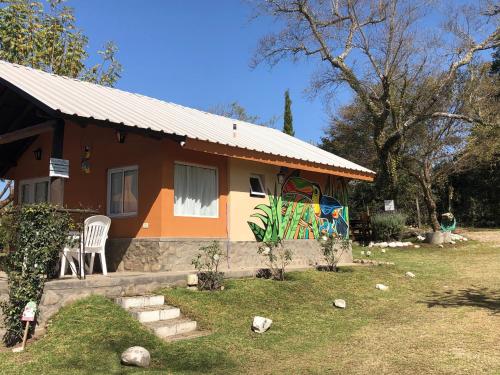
[(36, 235), (207, 263), (277, 257), (332, 248), (387, 226)]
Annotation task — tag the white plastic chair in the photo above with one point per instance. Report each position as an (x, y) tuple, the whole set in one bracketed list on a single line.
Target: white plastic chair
[(95, 235)]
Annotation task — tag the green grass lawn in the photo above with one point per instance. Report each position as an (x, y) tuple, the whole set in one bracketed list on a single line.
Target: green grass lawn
[(445, 321)]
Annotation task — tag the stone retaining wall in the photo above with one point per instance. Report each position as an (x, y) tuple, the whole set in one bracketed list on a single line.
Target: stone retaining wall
[(162, 254)]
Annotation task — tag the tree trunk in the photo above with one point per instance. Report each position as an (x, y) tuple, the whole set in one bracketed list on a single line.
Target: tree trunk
[(424, 178)]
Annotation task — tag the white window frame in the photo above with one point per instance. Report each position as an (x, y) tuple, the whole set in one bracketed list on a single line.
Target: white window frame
[(257, 194), (108, 200), (216, 216), (32, 181)]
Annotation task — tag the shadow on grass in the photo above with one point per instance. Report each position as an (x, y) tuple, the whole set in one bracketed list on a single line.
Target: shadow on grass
[(484, 298)]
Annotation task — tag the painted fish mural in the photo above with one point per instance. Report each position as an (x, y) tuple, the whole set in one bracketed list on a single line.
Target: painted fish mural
[(301, 211)]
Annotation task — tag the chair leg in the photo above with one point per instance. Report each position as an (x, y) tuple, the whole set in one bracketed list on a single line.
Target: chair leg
[(103, 263), (72, 264), (92, 258), (63, 264)]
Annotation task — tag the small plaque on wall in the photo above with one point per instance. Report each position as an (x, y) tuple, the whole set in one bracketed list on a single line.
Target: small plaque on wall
[(59, 168)]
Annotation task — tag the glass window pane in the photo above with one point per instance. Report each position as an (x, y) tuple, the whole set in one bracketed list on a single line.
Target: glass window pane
[(25, 194), (41, 192), (256, 186), (130, 191), (116, 190), (195, 191)]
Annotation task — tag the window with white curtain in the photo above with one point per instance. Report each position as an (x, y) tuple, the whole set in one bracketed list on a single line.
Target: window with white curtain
[(195, 191), (122, 191), (35, 190)]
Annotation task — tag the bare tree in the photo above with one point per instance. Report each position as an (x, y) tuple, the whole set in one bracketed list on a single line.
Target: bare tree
[(383, 52)]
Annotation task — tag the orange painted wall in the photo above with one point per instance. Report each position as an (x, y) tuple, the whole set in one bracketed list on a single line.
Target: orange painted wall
[(155, 160)]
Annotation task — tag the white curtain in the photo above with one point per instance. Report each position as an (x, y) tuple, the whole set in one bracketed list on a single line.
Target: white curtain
[(195, 191)]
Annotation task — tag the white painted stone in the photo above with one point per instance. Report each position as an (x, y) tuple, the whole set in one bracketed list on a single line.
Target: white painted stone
[(136, 356), (340, 303), (261, 324), (362, 252), (381, 287), (399, 244), (382, 244), (370, 244), (382, 251), (441, 246), (392, 244), (420, 238), (410, 274), (417, 246), (452, 242), (192, 279)]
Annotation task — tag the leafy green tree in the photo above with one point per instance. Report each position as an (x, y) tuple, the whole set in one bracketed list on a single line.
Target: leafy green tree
[(44, 35), (287, 117)]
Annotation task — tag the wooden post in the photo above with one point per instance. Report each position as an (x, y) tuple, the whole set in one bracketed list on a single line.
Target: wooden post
[(25, 337), (418, 213), (57, 183)]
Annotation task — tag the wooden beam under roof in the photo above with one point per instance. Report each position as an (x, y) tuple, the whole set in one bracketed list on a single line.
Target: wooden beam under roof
[(28, 132)]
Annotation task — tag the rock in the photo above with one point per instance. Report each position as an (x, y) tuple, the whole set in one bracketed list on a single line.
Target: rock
[(408, 243), (410, 274), (434, 238), (420, 238), (452, 242), (362, 252), (370, 244), (392, 244), (417, 246), (381, 287), (465, 239), (441, 246), (192, 279), (136, 356), (382, 244), (340, 303), (382, 251), (399, 244), (368, 253), (261, 324)]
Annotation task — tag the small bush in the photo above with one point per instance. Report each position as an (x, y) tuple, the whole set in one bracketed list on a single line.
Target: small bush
[(277, 256), (36, 235), (387, 226), (207, 264), (332, 249)]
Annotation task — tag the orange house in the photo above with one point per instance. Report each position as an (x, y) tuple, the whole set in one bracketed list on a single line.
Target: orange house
[(171, 178)]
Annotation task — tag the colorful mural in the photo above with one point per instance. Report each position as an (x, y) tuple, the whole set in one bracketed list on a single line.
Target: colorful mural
[(303, 211)]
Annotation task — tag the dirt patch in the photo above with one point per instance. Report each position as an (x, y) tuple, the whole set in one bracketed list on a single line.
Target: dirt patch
[(483, 236)]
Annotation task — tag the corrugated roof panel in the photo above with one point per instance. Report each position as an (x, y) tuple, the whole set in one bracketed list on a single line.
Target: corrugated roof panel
[(84, 99)]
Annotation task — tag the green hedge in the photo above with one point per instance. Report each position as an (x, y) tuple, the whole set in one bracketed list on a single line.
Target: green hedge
[(388, 226)]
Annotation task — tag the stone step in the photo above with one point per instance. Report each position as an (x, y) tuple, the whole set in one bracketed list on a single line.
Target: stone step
[(186, 336), (154, 313), (140, 301), (172, 327)]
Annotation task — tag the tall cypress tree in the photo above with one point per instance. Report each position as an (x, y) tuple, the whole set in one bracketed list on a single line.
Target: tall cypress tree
[(287, 118)]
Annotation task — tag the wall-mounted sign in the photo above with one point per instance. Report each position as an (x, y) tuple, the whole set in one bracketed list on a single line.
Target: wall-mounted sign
[(29, 312), (389, 205), (59, 168)]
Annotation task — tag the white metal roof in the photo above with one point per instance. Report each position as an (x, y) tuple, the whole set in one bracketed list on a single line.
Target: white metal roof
[(88, 100)]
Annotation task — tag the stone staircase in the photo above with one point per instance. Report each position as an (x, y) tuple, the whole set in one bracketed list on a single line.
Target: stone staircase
[(165, 321)]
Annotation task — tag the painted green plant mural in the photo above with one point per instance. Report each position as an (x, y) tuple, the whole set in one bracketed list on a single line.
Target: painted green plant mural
[(301, 211)]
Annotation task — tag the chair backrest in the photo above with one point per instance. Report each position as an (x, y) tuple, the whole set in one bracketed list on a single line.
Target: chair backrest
[(96, 231)]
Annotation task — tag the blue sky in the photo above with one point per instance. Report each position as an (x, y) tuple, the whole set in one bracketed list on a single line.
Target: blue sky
[(197, 53)]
